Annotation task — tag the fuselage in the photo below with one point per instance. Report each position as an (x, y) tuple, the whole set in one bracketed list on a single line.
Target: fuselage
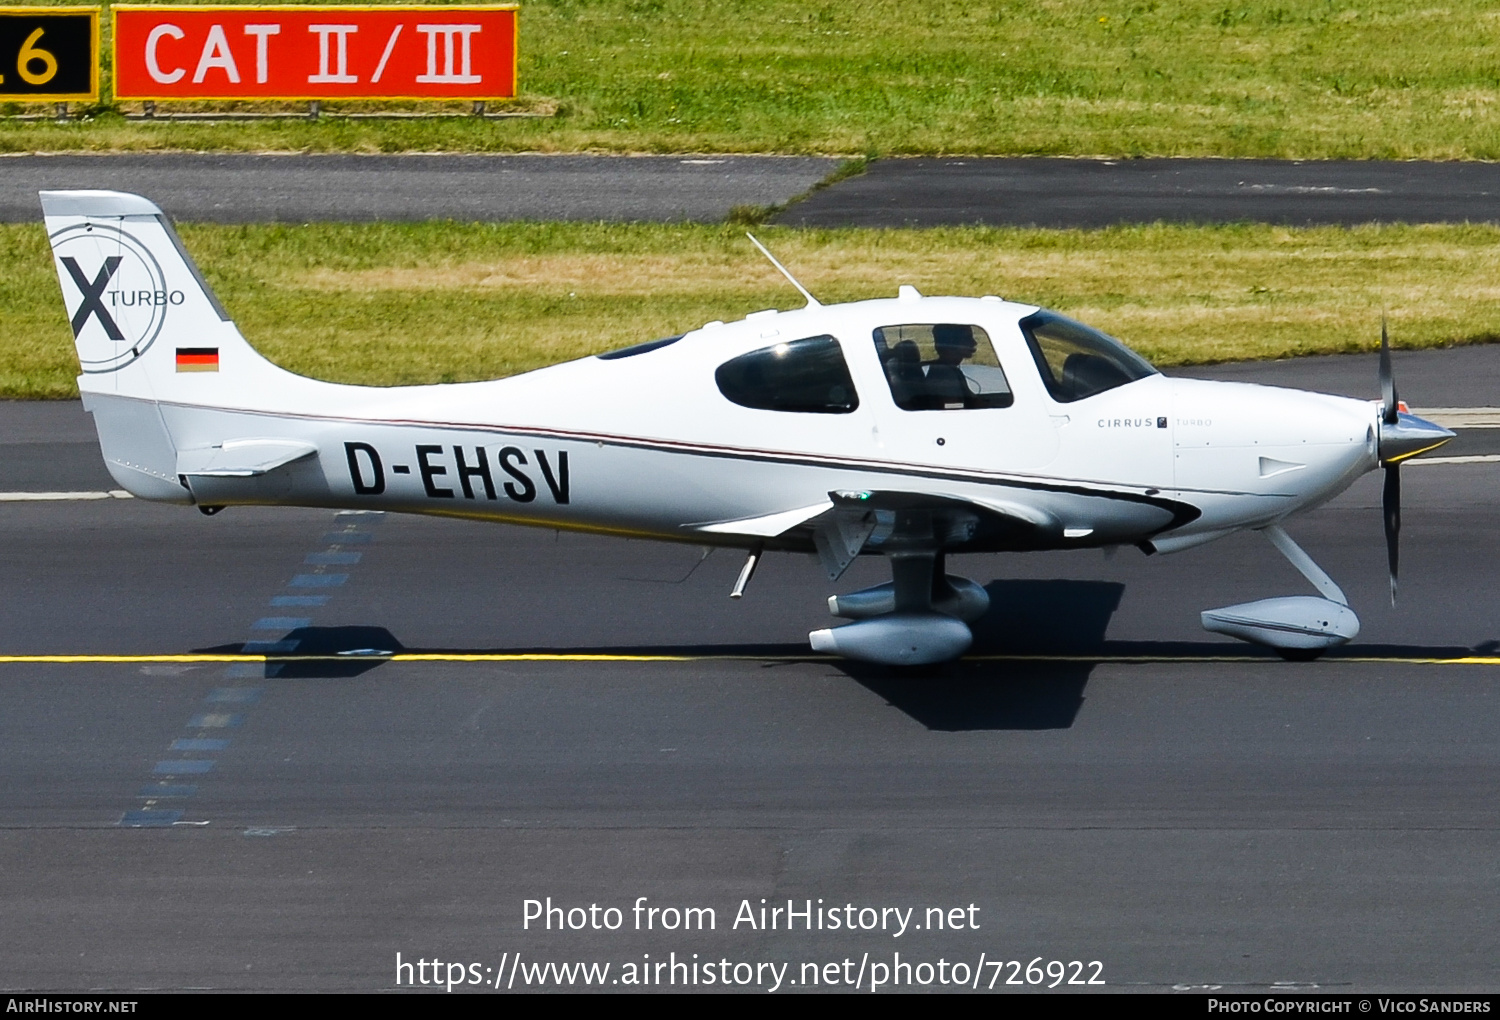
[(651, 444)]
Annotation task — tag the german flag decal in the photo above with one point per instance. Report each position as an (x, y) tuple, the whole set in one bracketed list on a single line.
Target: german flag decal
[(197, 359)]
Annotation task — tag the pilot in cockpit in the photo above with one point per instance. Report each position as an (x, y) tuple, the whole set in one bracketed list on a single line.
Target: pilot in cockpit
[(946, 384)]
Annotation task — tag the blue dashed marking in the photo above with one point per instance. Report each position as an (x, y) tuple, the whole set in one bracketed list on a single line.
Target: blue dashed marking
[(318, 580), (245, 671), (271, 647), (281, 623), (198, 744), (151, 816), (214, 720), (331, 559), (233, 696)]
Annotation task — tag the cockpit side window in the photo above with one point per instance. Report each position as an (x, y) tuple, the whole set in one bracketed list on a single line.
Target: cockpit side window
[(807, 376), (941, 366), (1077, 361)]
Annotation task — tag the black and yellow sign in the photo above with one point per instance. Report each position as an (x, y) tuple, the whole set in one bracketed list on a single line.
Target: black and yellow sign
[(49, 53)]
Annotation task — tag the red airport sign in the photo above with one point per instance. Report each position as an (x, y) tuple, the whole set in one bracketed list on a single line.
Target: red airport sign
[(398, 51), (49, 54)]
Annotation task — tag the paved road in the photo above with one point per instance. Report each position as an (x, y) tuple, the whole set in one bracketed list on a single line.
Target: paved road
[(1094, 193), (1185, 822), (237, 188), (301, 188)]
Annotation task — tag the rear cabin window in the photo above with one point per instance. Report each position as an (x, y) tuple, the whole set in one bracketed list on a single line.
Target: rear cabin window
[(941, 366), (1078, 361), (808, 376)]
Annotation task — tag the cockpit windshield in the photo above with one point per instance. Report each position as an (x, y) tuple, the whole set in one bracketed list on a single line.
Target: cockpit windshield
[(1078, 361)]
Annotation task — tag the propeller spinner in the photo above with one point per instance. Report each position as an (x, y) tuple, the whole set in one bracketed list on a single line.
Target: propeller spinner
[(1402, 436)]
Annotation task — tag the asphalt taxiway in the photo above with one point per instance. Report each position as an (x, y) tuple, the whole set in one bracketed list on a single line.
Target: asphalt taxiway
[(250, 188), (1104, 780), (1101, 192), (295, 188)]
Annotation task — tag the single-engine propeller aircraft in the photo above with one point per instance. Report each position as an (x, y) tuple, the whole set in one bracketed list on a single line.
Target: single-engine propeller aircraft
[(911, 427)]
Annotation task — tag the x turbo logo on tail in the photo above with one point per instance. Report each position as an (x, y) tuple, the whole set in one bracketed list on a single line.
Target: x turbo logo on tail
[(92, 296)]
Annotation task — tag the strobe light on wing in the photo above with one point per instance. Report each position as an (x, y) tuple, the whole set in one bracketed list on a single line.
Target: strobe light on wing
[(911, 428)]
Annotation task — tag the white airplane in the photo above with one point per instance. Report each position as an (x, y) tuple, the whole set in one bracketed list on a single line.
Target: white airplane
[(910, 427)]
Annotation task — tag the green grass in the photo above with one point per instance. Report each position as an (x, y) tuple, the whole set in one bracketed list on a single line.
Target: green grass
[(440, 302), (1281, 78)]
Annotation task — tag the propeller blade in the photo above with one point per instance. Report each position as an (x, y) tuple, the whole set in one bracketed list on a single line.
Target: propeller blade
[(1392, 404), (1390, 504)]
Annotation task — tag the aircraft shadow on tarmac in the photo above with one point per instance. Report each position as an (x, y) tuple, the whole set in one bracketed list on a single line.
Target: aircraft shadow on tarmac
[(1063, 618), (1026, 618), (350, 650)]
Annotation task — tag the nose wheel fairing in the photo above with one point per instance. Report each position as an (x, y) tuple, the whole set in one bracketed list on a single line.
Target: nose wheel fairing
[(1296, 626)]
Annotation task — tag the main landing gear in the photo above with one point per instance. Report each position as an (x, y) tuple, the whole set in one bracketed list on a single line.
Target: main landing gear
[(920, 616)]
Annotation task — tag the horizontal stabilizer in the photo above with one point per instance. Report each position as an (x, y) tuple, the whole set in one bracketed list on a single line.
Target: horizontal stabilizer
[(242, 458), (767, 525)]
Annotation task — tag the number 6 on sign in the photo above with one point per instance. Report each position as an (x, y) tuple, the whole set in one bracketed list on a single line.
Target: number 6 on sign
[(29, 52), (53, 51)]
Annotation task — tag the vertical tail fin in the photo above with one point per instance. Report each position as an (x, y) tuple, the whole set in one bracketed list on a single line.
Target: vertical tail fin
[(148, 330), (141, 312)]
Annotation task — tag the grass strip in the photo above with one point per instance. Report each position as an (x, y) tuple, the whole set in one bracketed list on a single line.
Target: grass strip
[(1358, 79), (388, 304)]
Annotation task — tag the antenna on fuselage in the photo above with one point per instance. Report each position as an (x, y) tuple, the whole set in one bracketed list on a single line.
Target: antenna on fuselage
[(812, 302)]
